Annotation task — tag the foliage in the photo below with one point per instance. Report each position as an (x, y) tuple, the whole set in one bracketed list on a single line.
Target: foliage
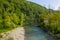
[(13, 12), (22, 12), (52, 22)]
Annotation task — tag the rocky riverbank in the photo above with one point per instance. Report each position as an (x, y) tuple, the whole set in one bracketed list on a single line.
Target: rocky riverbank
[(57, 37), (16, 34)]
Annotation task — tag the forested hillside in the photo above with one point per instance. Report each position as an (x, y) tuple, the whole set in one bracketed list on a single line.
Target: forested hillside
[(14, 13)]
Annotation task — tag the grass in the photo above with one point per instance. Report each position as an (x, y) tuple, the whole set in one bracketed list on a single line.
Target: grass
[(8, 29), (5, 30)]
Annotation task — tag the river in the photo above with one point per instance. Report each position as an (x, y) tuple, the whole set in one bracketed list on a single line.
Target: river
[(35, 33)]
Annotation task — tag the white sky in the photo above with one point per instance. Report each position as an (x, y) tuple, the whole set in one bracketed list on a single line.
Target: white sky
[(54, 4)]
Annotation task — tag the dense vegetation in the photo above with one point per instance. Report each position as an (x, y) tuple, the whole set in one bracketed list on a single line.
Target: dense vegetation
[(51, 23), (14, 13)]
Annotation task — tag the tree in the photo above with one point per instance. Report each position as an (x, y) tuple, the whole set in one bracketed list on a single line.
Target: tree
[(7, 21), (22, 19)]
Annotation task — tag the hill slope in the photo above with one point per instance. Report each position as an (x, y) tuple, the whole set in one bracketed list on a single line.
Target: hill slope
[(13, 13)]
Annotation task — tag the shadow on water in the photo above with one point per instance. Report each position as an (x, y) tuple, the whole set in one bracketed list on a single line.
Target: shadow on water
[(35, 33)]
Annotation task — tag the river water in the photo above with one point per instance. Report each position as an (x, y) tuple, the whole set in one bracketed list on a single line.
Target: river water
[(35, 33)]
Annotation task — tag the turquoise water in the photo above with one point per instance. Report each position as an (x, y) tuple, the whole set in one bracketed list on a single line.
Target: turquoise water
[(35, 33)]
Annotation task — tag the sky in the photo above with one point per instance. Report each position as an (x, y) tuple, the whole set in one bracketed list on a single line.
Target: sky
[(54, 4)]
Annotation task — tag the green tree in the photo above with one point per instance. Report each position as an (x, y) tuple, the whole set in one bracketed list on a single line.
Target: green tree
[(22, 19)]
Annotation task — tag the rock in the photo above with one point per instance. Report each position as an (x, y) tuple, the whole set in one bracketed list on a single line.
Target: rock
[(16, 34)]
